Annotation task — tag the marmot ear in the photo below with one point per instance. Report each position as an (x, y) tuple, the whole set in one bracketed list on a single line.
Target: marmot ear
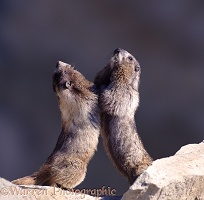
[(68, 84), (137, 68)]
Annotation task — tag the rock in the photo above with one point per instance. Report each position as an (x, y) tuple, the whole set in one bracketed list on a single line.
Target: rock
[(177, 177), (12, 192), (9, 191)]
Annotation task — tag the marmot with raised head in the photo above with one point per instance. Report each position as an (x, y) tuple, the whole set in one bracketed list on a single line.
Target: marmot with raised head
[(118, 86), (67, 165)]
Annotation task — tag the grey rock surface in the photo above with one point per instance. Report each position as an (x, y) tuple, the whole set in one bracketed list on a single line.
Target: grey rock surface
[(177, 177), (9, 191), (12, 192)]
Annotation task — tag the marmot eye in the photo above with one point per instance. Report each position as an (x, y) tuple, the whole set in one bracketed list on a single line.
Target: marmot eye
[(116, 51), (68, 84), (65, 72), (130, 58)]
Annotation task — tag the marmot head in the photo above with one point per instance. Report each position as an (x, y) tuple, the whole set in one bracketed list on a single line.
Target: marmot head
[(70, 85), (122, 68), (125, 68)]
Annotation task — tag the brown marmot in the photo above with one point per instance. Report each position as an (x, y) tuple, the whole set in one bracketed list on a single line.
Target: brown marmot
[(118, 84), (67, 165)]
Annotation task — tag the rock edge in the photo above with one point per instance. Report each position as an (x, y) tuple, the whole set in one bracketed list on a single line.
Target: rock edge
[(176, 177)]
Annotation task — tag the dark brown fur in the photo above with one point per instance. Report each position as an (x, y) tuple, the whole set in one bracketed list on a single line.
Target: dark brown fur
[(118, 84), (66, 166)]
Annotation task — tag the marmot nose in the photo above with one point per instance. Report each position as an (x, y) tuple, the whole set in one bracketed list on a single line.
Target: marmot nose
[(117, 51), (60, 64)]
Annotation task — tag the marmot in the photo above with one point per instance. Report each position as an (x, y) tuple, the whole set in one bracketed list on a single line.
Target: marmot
[(118, 86), (78, 102)]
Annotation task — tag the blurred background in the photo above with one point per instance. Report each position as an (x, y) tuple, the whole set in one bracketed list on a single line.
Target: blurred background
[(167, 38)]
